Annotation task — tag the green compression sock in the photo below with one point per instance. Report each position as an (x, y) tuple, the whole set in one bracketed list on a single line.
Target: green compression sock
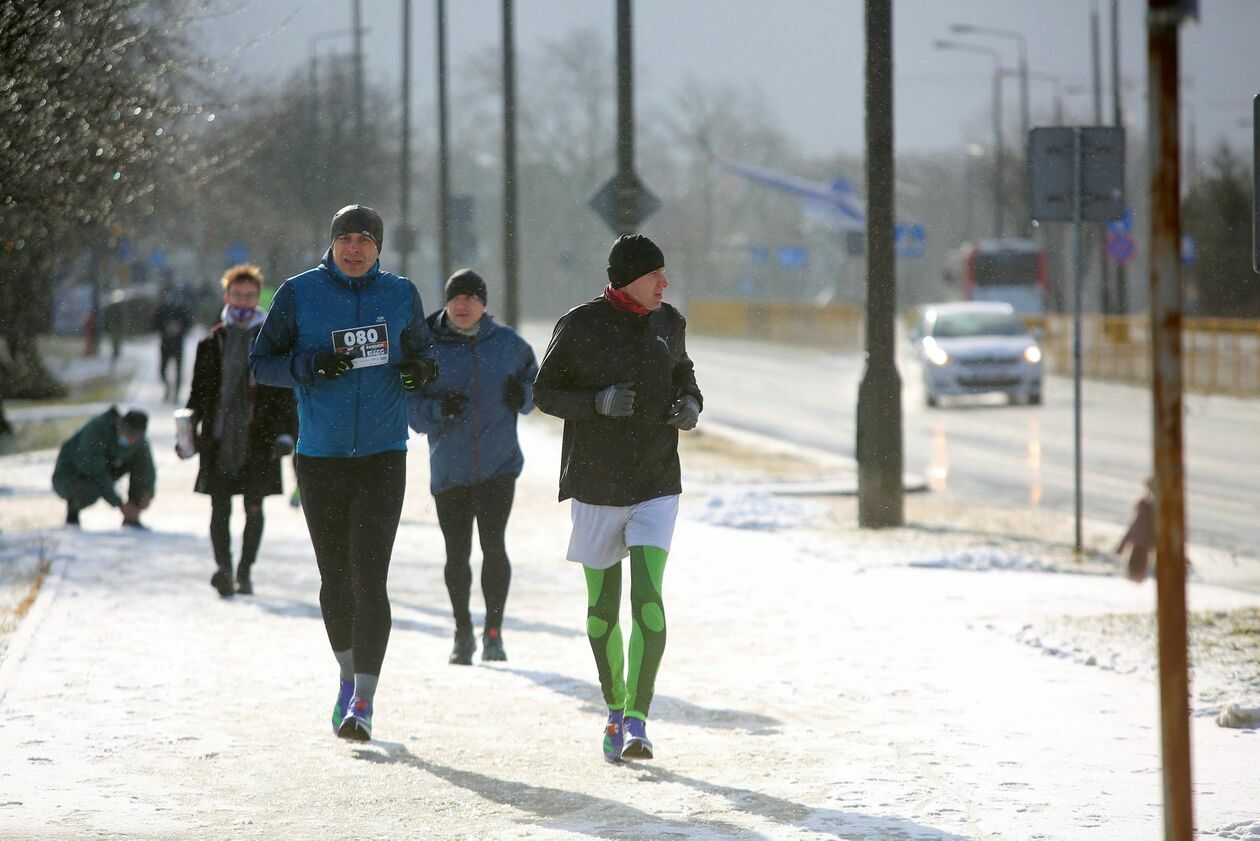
[(647, 633), (603, 604)]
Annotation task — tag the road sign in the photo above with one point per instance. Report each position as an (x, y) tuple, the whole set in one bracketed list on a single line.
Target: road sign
[(237, 253), (793, 257), (1053, 180), (1189, 250), (1120, 247), (1122, 225), (909, 241), (629, 192)]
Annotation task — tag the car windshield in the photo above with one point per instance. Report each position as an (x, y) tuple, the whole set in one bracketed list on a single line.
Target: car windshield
[(958, 324)]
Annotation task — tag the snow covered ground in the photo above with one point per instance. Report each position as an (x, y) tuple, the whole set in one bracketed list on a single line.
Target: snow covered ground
[(960, 678)]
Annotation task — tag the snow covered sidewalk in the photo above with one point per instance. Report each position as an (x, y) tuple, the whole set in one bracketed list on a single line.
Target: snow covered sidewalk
[(820, 681)]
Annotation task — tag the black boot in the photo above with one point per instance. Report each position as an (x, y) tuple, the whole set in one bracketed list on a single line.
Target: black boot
[(465, 645), (492, 646), (243, 585), (222, 580)]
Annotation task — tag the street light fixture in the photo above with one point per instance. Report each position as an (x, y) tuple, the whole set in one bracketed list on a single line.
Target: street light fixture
[(998, 151)]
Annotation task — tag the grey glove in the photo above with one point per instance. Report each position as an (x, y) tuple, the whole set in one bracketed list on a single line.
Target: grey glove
[(616, 401), (684, 413)]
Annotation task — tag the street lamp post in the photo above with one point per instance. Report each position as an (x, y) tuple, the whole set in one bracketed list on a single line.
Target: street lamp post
[(1018, 37), (999, 155)]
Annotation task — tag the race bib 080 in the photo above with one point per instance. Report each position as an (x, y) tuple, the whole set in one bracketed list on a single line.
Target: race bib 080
[(366, 346)]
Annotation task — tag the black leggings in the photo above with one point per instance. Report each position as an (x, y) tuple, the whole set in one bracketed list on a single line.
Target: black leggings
[(221, 535), (489, 503), (352, 506)]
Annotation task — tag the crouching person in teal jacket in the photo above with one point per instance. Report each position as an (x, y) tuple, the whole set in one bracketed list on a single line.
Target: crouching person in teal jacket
[(105, 449), (486, 378)]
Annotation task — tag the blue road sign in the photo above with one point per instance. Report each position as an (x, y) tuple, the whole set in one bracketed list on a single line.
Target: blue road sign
[(157, 258), (1120, 247), (792, 256), (237, 252), (1122, 225), (909, 241)]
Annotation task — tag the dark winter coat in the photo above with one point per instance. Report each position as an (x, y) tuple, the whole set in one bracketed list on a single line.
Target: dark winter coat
[(362, 412), (480, 443), (272, 414), (607, 460), (93, 459), (172, 321)]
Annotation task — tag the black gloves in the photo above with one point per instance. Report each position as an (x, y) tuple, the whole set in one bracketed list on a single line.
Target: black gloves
[(514, 393), (282, 447), (616, 401), (416, 372), (453, 403), (332, 365), (684, 413)]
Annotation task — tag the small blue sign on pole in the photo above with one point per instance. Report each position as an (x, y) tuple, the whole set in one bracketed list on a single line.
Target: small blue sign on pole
[(793, 256), (909, 241), (1120, 247), (237, 253)]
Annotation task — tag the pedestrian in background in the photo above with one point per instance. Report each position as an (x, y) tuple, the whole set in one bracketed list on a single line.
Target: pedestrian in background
[(101, 452), (469, 415), (349, 337), (242, 429), (618, 373), (172, 321)]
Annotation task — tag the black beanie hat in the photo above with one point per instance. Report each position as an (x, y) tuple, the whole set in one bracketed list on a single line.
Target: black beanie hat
[(136, 421), (466, 282), (632, 257), (359, 219)]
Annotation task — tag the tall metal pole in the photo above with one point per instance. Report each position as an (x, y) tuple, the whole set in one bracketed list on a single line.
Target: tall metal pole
[(627, 215), (405, 243), (1117, 119), (444, 173), (1025, 218), (999, 154), (358, 72), (881, 502), (511, 279), (1078, 227), (1096, 58), (1163, 91)]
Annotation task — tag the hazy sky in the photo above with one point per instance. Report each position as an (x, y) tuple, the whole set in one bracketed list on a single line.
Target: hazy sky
[(806, 56)]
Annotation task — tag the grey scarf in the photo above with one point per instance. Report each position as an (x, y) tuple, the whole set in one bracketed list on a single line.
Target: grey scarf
[(231, 422)]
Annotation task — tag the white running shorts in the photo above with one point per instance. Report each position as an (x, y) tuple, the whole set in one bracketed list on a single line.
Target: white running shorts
[(602, 534)]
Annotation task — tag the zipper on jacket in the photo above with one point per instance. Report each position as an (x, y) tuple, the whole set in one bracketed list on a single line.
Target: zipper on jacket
[(358, 381)]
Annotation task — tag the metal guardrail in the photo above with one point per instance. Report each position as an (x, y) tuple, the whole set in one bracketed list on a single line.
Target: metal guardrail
[(1219, 355)]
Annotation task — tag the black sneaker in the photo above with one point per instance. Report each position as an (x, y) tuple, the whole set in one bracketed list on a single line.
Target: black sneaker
[(243, 584), (492, 646), (465, 645), (222, 582)]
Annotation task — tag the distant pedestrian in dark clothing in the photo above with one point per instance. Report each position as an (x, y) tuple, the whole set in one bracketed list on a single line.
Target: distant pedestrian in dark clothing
[(172, 321), (243, 429), (105, 449), (485, 380)]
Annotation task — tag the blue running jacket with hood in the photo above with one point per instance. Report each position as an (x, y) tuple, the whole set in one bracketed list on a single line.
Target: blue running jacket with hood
[(362, 412), (480, 443)]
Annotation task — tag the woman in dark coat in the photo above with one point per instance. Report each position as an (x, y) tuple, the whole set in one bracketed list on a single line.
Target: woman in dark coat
[(242, 429)]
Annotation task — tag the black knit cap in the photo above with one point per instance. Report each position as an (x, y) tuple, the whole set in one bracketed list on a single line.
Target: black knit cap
[(466, 282), (632, 257), (136, 422), (359, 219)]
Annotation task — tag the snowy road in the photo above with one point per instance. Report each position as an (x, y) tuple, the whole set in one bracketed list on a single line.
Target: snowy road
[(985, 452)]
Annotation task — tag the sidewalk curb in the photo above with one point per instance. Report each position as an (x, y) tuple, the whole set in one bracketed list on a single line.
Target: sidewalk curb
[(15, 654)]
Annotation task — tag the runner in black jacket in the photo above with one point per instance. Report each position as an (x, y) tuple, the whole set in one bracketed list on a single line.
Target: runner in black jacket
[(618, 373)]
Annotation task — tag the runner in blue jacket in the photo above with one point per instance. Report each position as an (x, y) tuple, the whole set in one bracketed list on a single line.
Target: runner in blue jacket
[(349, 338), (469, 415)]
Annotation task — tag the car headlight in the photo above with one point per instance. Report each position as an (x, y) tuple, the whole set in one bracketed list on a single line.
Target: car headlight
[(935, 353), (1032, 354)]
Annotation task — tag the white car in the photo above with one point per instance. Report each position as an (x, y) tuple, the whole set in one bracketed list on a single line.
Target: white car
[(975, 348)]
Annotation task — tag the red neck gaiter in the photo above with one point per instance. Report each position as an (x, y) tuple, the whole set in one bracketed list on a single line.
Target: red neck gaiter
[(622, 301)]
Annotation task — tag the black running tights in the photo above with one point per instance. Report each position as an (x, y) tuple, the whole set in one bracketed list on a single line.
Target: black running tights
[(489, 503), (352, 506)]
